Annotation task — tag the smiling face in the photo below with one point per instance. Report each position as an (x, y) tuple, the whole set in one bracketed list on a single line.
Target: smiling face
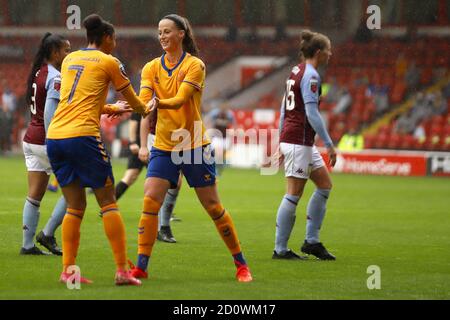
[(170, 37)]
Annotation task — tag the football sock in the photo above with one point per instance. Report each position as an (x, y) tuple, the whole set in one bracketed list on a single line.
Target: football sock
[(147, 232), (167, 207), (225, 226), (239, 260), (285, 222), (57, 217), (315, 214), (115, 231), (71, 236), (121, 187), (30, 221)]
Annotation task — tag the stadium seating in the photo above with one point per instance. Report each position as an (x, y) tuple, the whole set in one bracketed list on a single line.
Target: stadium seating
[(355, 66)]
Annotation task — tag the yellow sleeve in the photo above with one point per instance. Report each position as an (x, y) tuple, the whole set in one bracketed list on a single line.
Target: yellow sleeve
[(185, 92), (196, 75), (135, 103), (109, 109), (147, 90), (116, 72)]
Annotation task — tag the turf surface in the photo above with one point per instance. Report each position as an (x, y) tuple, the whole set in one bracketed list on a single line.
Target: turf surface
[(401, 224)]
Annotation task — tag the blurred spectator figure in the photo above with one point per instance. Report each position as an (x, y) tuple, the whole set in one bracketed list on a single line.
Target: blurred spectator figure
[(425, 106), (344, 101), (9, 100), (429, 105), (331, 95), (220, 119), (405, 124), (446, 91), (334, 94), (401, 66), (420, 109), (232, 33), (363, 34), (438, 103), (5, 129), (412, 77), (280, 31), (380, 97), (419, 133), (351, 141)]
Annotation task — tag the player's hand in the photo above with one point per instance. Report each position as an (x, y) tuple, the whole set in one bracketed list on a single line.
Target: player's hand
[(331, 156), (117, 109), (152, 105), (134, 148), (143, 154), (278, 157), (124, 104)]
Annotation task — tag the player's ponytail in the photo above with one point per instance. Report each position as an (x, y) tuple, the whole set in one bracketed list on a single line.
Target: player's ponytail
[(49, 43), (310, 42), (96, 28), (189, 43)]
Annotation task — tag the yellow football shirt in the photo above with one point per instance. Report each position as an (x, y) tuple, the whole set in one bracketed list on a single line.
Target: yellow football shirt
[(182, 128), (85, 78)]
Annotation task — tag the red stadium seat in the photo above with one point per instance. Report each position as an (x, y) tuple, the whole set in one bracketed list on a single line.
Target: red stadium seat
[(381, 141), (394, 141), (398, 92), (408, 142), (432, 143), (426, 76), (369, 141)]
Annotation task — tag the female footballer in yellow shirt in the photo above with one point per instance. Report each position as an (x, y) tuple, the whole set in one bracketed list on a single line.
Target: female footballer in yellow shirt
[(174, 83), (77, 155)]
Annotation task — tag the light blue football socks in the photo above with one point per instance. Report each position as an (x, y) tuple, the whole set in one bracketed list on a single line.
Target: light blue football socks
[(165, 213), (56, 218), (315, 214), (285, 222), (30, 221)]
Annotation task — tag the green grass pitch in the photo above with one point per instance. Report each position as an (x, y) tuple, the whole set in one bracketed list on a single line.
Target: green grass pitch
[(400, 224)]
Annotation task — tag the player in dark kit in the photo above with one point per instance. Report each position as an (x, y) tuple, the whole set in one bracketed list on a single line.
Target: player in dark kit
[(135, 165), (44, 81), (300, 121), (220, 119)]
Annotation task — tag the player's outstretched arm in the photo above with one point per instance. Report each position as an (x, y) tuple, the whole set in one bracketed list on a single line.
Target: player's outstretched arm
[(135, 103), (185, 92), (116, 109)]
